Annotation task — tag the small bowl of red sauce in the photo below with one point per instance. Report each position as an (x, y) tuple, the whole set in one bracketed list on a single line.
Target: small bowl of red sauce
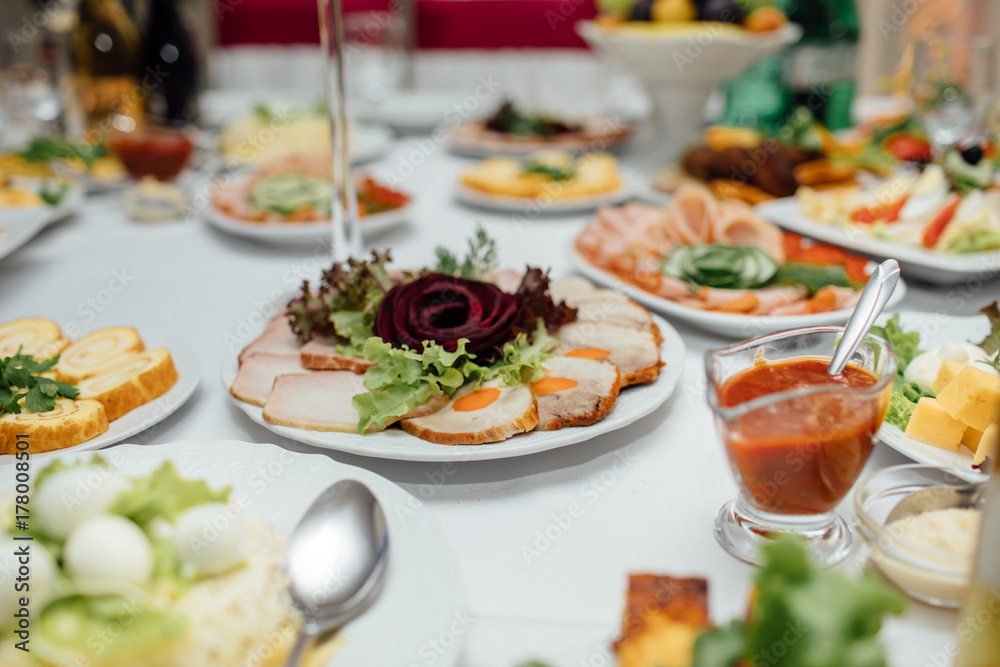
[(160, 152), (796, 437)]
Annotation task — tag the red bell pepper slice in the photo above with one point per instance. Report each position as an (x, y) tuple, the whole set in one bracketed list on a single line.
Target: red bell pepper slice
[(934, 230), (884, 212)]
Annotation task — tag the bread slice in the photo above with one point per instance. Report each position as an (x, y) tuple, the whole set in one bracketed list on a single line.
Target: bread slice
[(37, 336), (71, 422), (513, 411), (321, 401), (321, 355), (96, 352), (663, 618), (634, 352), (595, 393), (133, 381), (255, 379)]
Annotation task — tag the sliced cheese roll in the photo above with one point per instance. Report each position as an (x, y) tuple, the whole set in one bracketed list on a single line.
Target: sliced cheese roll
[(133, 381), (474, 416), (634, 352), (96, 352), (37, 336), (321, 401), (69, 423), (257, 374), (575, 392)]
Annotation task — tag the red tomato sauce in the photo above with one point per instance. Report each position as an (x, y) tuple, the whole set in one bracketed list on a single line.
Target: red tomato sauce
[(802, 455), (160, 154)]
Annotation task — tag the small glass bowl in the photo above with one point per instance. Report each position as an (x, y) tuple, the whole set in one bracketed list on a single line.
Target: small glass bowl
[(936, 576)]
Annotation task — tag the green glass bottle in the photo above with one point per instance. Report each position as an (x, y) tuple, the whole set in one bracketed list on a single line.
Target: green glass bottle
[(820, 71)]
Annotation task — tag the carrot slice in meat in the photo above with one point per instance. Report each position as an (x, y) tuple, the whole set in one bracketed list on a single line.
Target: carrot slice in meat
[(823, 301), (550, 385), (589, 353), (476, 400)]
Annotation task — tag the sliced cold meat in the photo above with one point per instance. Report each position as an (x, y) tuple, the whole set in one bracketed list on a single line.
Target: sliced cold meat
[(475, 416), (739, 225), (256, 376), (634, 352), (320, 354), (575, 392), (276, 339), (693, 209)]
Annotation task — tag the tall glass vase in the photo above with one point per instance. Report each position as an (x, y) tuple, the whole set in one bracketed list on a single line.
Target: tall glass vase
[(346, 239)]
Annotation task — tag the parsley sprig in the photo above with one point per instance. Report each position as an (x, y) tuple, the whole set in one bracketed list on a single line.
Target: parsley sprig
[(480, 259), (19, 378)]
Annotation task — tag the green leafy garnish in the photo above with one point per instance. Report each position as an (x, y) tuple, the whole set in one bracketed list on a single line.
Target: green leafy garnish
[(552, 172), (50, 149), (902, 403), (991, 344), (403, 379), (480, 259), (508, 119), (819, 617), (165, 493), (522, 360), (54, 196), (20, 379), (905, 343), (812, 277)]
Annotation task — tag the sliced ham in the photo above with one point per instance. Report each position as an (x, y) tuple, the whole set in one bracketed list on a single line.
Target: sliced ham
[(256, 376), (621, 312), (614, 219), (585, 403), (655, 231), (693, 208), (739, 225), (569, 288), (319, 401), (319, 354), (513, 411), (275, 340)]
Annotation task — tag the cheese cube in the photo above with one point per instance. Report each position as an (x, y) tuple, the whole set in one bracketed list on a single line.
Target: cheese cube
[(949, 369), (972, 438), (987, 444), (973, 398), (932, 424)]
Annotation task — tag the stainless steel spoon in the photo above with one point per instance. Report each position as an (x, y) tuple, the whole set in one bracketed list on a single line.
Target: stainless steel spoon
[(937, 498), (873, 299), (335, 557)]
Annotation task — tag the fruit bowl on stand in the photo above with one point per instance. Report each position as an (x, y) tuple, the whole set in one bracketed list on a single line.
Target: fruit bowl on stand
[(680, 64)]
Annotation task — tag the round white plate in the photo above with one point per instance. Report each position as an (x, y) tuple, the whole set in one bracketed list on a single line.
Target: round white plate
[(724, 324), (414, 111), (144, 416), (528, 205), (633, 404), (420, 599), (18, 225), (935, 329), (929, 265), (296, 232)]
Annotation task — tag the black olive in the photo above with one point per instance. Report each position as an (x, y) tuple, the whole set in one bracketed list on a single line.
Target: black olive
[(641, 11), (972, 154), (723, 11)]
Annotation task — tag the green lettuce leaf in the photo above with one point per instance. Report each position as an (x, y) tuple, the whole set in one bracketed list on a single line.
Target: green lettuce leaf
[(164, 493), (819, 618), (906, 343), (991, 344), (522, 361), (354, 327)]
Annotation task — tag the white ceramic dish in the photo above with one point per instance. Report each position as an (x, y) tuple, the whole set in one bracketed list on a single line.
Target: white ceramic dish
[(421, 595), (297, 232), (935, 329), (19, 225), (145, 416), (413, 111), (467, 140), (723, 324), (633, 404), (928, 265), (529, 206)]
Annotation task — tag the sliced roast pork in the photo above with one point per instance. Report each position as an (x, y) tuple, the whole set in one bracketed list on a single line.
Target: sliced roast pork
[(257, 373), (575, 392), (474, 416), (634, 352), (278, 338), (621, 312), (320, 354)]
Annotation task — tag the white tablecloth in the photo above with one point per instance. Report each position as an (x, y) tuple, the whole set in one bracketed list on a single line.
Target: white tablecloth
[(648, 492)]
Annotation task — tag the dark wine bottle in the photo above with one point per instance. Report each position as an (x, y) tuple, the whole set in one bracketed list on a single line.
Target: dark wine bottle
[(171, 58)]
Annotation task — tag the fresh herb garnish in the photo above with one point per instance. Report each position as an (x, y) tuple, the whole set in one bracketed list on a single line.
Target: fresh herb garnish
[(905, 343), (53, 197), (812, 277), (836, 619), (991, 344), (480, 259), (510, 120), (356, 286), (20, 379), (552, 172), (46, 149)]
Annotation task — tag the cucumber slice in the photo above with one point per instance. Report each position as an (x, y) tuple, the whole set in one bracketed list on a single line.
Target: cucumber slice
[(287, 193), (725, 267)]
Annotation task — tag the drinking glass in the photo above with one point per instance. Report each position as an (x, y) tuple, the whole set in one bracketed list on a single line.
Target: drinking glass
[(953, 86), (374, 52), (796, 454)]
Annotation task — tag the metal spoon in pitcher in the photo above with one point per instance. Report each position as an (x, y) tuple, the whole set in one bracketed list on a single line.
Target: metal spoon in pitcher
[(335, 557), (873, 299)]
